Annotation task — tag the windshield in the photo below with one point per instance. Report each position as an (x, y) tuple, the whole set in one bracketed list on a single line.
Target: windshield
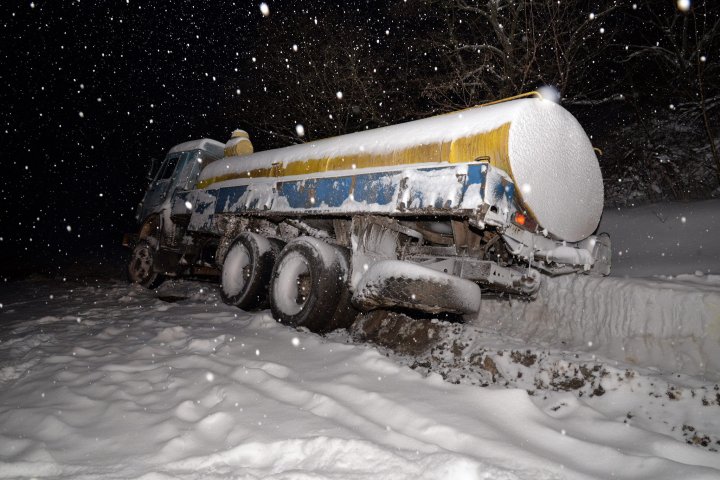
[(168, 168)]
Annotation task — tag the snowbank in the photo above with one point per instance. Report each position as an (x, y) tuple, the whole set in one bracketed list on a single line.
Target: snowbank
[(113, 383), (671, 324), (664, 322), (668, 323)]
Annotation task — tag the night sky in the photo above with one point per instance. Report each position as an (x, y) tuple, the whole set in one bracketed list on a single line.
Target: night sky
[(91, 90)]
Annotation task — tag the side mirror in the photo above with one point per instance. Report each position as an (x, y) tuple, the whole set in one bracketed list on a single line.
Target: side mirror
[(151, 171)]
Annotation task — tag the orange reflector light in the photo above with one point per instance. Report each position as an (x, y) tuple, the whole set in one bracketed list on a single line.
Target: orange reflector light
[(520, 218)]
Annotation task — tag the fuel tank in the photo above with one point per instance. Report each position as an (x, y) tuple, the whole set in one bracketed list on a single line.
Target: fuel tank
[(536, 142)]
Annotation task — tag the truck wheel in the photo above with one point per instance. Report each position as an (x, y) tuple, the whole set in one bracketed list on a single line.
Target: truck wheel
[(246, 271), (308, 281), (140, 268)]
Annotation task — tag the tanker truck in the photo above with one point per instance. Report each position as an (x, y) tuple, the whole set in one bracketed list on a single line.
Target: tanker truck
[(426, 216)]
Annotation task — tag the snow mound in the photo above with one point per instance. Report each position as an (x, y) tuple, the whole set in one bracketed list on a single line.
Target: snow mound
[(669, 324), (331, 458)]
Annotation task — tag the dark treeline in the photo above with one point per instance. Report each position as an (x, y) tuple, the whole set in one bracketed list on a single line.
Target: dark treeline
[(643, 78)]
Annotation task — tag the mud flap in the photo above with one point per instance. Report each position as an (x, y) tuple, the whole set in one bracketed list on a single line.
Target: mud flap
[(602, 253), (394, 283)]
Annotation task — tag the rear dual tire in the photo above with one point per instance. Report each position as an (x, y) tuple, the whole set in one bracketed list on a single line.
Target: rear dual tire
[(247, 269), (303, 282), (308, 287)]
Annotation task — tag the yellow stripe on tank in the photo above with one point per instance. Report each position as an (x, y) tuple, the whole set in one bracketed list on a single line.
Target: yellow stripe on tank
[(490, 146)]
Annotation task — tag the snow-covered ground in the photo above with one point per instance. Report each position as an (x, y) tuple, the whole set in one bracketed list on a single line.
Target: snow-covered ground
[(598, 378), (113, 382)]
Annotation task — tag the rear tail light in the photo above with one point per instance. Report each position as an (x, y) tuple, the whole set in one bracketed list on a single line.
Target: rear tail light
[(524, 221)]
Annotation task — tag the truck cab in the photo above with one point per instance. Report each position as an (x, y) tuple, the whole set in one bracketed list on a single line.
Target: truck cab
[(156, 246), (178, 172)]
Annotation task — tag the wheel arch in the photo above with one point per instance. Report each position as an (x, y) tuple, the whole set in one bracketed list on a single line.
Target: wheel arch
[(151, 227)]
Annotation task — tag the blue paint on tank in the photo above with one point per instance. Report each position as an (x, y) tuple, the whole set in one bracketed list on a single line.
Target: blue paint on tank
[(317, 192), (376, 188), (228, 198), (476, 175), (389, 192)]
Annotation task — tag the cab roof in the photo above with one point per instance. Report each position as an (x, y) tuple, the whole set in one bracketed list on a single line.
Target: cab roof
[(213, 147)]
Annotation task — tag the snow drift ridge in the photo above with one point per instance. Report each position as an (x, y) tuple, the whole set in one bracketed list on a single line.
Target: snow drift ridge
[(651, 323)]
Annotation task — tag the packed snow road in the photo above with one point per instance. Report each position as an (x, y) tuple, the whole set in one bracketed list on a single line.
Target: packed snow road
[(114, 382)]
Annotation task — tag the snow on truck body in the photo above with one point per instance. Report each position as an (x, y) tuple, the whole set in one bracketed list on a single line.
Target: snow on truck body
[(486, 196)]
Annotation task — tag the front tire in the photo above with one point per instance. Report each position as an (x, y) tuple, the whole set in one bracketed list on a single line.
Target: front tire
[(307, 284), (141, 266)]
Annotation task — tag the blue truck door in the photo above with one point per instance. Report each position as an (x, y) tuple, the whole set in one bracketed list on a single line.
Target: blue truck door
[(163, 184)]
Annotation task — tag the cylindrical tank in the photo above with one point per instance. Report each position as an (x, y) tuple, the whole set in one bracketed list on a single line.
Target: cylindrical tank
[(555, 169), (536, 142)]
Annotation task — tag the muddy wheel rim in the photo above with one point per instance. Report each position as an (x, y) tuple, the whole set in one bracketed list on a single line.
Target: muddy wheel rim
[(141, 263)]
